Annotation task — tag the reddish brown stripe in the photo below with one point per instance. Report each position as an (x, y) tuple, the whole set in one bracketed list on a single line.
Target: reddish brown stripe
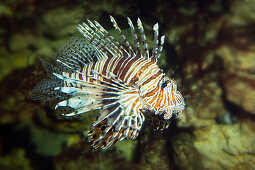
[(106, 65), (160, 97), (125, 54), (134, 78), (152, 77), (146, 66), (152, 92), (113, 63), (135, 102), (117, 68), (85, 72), (153, 99), (173, 97), (127, 67), (80, 75), (131, 92)]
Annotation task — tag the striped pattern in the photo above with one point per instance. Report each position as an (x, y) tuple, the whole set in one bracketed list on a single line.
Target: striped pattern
[(125, 83)]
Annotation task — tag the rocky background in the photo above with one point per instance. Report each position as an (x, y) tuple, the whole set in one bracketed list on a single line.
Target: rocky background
[(209, 50)]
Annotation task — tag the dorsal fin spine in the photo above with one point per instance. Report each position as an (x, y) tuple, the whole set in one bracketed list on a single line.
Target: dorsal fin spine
[(109, 38), (104, 42), (135, 38), (94, 39), (110, 43), (115, 25), (162, 39), (101, 39), (155, 42), (143, 37), (82, 52)]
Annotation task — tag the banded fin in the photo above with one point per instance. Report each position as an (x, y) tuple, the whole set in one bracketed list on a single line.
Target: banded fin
[(120, 115), (115, 25), (44, 90), (113, 125), (162, 40), (99, 44), (143, 37), (157, 48), (76, 53), (157, 122), (98, 37), (120, 118), (84, 96), (49, 68), (135, 38)]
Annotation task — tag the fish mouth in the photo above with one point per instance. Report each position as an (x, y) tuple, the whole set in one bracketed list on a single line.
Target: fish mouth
[(176, 110)]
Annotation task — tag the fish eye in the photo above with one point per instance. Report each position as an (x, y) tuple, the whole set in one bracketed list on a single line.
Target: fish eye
[(163, 85)]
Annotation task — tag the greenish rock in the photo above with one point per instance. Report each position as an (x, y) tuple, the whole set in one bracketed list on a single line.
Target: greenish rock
[(228, 146), (185, 155), (15, 160), (155, 154), (82, 156), (61, 22), (242, 12), (5, 10), (47, 143), (126, 149), (216, 147)]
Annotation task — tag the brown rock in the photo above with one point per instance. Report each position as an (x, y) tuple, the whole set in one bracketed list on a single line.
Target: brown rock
[(217, 147)]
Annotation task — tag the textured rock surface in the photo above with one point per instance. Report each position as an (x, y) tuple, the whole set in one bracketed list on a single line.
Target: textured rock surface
[(217, 147)]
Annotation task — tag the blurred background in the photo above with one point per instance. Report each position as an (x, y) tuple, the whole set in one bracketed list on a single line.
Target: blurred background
[(209, 50)]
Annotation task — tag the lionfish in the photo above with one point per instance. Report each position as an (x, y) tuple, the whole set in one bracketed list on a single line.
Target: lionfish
[(125, 83)]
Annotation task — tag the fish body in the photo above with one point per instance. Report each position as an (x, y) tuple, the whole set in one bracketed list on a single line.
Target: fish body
[(97, 72)]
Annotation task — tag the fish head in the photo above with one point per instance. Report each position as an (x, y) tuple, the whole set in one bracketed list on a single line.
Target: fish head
[(172, 101)]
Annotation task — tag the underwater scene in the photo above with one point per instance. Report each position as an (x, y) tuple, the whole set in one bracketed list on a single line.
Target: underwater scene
[(141, 85)]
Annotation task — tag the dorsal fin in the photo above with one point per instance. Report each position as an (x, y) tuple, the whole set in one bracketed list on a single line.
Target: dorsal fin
[(143, 37), (162, 40), (115, 25), (133, 32), (157, 48), (107, 37), (99, 44), (76, 53), (155, 42)]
